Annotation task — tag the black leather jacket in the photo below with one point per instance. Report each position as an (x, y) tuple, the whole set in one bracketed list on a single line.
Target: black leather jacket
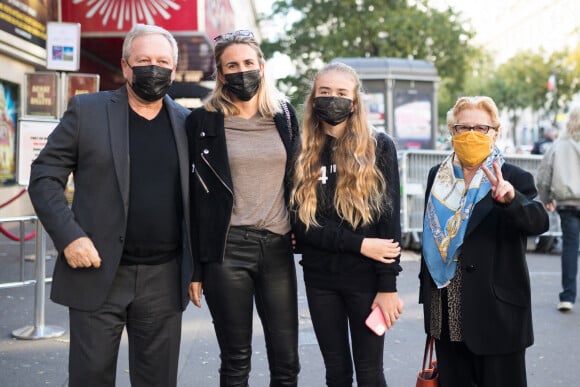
[(211, 189)]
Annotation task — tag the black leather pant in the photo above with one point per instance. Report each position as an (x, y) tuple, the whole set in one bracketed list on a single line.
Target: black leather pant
[(258, 266)]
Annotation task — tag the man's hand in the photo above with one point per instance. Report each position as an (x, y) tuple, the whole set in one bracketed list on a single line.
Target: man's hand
[(82, 253), (195, 293)]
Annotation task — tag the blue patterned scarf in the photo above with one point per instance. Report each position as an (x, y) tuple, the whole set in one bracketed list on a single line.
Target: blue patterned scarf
[(447, 214)]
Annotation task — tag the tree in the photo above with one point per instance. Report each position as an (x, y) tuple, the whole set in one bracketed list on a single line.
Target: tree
[(327, 29), (565, 65), (479, 70), (572, 62), (520, 83)]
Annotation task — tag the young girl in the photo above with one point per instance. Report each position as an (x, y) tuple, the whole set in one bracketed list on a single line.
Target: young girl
[(346, 221)]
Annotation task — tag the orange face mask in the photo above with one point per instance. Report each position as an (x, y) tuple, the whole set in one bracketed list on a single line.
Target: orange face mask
[(471, 147)]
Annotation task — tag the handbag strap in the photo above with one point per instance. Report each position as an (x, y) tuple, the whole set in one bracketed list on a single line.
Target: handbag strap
[(428, 351)]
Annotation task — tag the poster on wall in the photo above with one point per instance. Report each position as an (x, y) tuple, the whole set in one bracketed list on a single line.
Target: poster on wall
[(41, 94), (375, 104), (32, 137), (413, 119), (80, 84), (9, 108), (63, 46)]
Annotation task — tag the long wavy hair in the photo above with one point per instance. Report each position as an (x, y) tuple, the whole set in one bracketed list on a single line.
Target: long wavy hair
[(360, 190), (269, 99)]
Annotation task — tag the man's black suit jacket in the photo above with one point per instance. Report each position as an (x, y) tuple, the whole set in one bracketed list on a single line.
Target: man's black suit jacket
[(92, 142)]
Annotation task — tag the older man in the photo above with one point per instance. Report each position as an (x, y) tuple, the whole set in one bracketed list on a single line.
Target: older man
[(124, 255)]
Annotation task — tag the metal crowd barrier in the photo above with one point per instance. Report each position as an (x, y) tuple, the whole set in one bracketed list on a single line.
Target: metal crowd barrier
[(39, 330), (414, 166)]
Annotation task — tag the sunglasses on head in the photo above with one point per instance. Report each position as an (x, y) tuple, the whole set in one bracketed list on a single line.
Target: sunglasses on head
[(233, 35)]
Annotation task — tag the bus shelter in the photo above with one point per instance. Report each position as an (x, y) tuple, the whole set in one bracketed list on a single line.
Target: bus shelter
[(401, 98)]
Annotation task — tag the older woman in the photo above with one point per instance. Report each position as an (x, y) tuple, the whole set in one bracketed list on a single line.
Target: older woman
[(475, 286)]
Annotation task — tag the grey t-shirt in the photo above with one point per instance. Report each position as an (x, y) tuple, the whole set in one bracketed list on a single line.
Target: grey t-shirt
[(257, 163)]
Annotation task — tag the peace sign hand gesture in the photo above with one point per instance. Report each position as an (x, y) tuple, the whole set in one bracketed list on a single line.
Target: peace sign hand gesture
[(501, 190)]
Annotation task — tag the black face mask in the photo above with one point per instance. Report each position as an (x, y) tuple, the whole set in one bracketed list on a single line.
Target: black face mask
[(243, 85), (332, 110), (151, 82)]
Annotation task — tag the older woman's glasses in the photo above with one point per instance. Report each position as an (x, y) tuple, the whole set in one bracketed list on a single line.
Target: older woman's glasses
[(478, 128), (233, 35)]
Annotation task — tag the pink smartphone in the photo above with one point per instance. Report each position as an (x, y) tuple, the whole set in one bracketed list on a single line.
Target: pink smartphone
[(376, 321)]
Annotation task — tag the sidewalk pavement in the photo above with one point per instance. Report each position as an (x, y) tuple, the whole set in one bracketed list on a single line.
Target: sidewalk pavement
[(552, 361)]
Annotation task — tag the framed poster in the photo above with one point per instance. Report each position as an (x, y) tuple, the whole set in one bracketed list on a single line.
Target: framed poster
[(375, 105), (77, 83), (41, 94), (63, 44), (9, 108), (413, 119), (32, 136)]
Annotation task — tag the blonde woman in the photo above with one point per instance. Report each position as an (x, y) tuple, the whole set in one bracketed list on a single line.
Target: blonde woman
[(241, 143), (346, 220)]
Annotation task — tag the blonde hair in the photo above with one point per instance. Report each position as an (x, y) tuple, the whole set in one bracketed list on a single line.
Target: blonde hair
[(359, 197), (478, 102), (573, 124), (269, 100)]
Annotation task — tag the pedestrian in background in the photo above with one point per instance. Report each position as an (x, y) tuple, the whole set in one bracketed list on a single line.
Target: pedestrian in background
[(545, 243), (558, 183), (346, 216), (124, 255), (241, 145), (474, 281), (542, 145)]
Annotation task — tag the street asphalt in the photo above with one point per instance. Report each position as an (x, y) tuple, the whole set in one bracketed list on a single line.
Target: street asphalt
[(552, 361)]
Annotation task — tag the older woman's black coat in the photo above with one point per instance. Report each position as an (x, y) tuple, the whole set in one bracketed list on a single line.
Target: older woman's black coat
[(496, 310)]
